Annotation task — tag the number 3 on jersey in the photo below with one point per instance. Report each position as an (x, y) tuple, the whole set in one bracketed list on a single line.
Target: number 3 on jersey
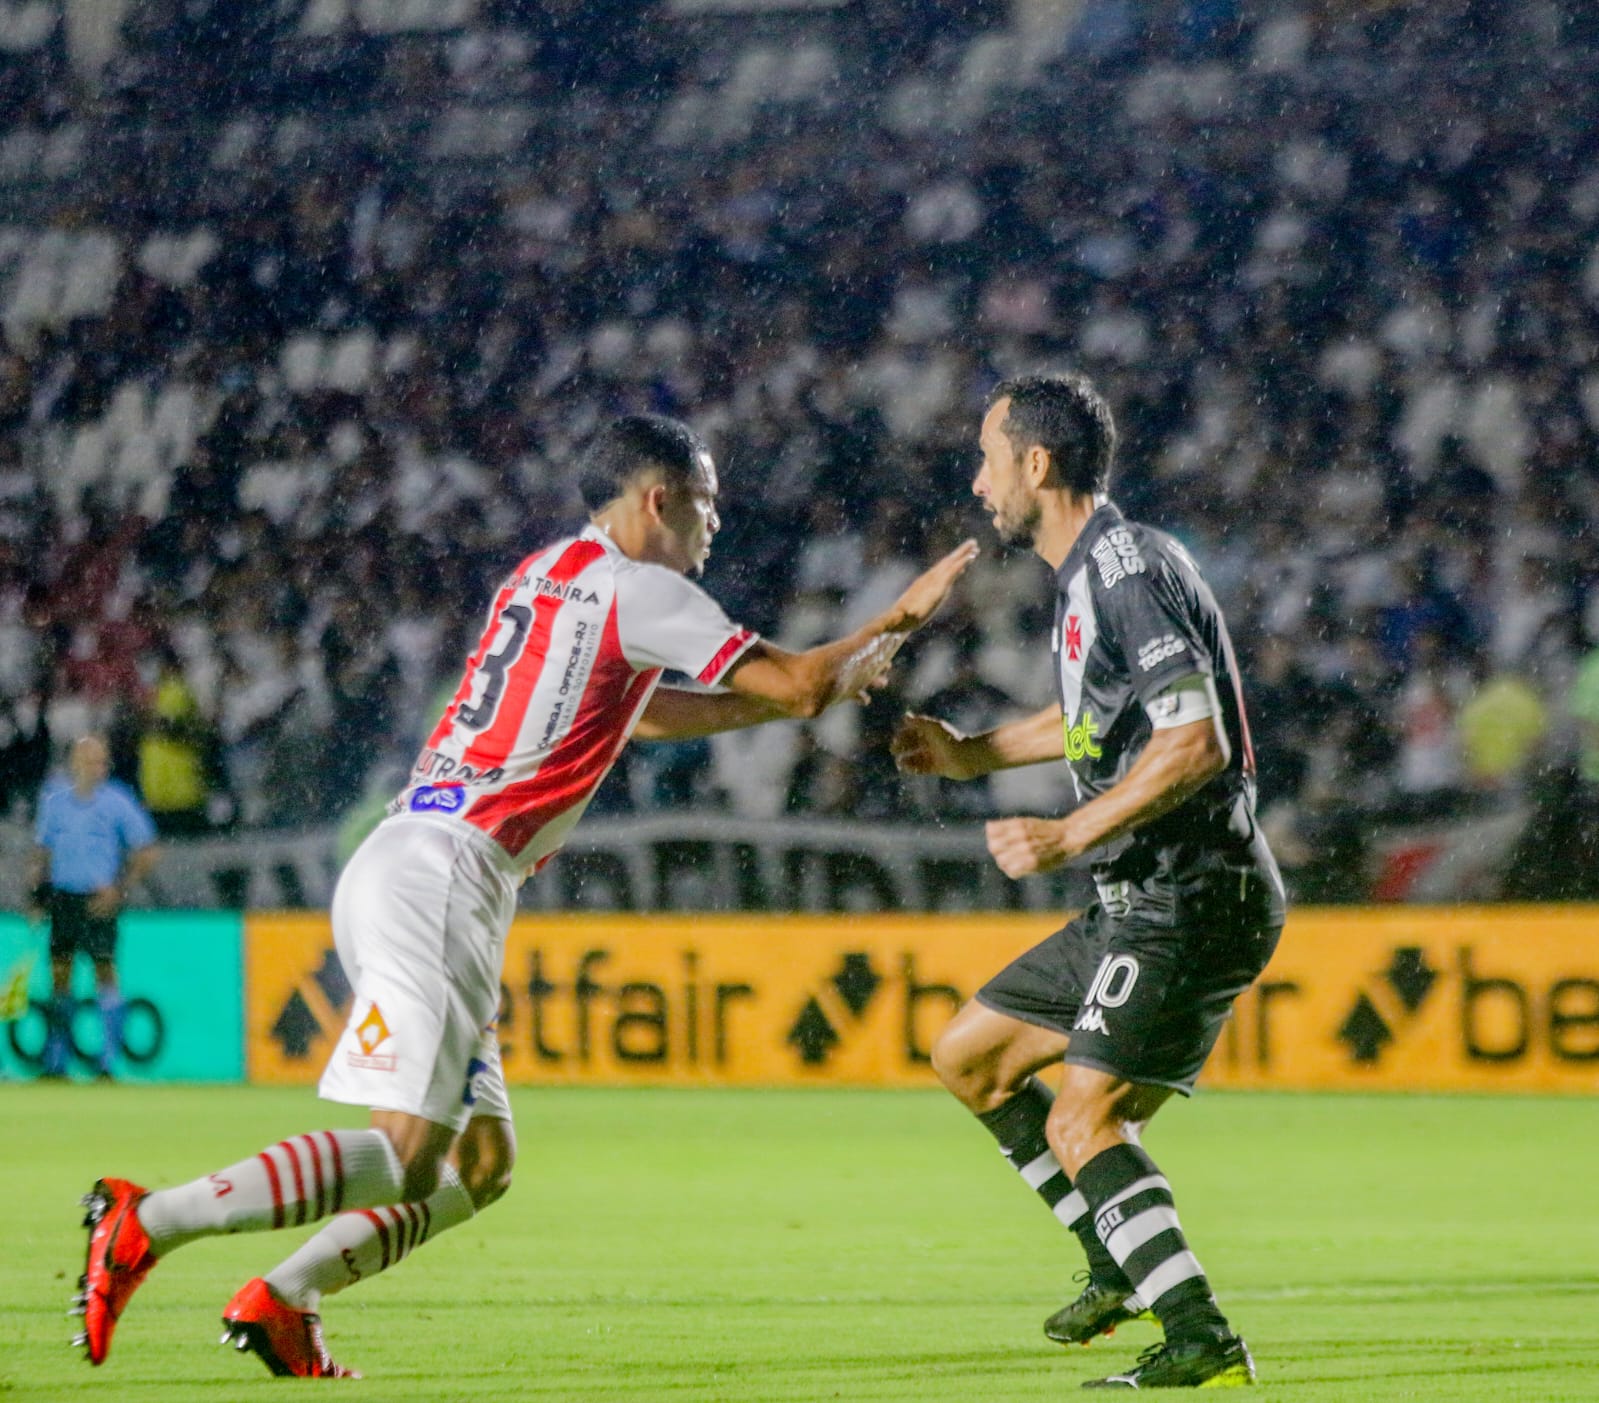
[(495, 666)]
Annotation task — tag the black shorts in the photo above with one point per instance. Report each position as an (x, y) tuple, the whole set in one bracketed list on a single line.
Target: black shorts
[(1143, 1002), (73, 928)]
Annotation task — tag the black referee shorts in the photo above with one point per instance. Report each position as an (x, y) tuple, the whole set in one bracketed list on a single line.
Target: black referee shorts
[(74, 928), (1143, 1002)]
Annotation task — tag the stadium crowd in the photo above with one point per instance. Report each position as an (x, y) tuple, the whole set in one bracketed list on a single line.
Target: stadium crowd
[(306, 319)]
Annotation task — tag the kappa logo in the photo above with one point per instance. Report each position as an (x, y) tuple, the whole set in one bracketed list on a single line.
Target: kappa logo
[(1116, 554), (1157, 650), (1112, 986), (1090, 1020), (370, 1034)]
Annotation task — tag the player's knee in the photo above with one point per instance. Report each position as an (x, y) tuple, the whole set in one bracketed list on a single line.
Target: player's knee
[(487, 1178), (950, 1063), (968, 1073), (484, 1158)]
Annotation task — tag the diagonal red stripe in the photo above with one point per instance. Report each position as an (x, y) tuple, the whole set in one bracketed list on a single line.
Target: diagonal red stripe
[(275, 1186), (299, 1180), (315, 1156), (383, 1235), (473, 663), (579, 761), (338, 1170), (724, 655), (523, 672)]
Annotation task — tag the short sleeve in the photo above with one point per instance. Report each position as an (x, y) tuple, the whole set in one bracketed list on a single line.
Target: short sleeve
[(667, 621), (133, 823), (1143, 609)]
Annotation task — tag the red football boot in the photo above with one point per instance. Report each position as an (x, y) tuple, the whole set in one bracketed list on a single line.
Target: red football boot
[(289, 1341), (119, 1259)]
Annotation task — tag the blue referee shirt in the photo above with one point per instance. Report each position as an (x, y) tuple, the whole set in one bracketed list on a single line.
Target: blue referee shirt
[(87, 839)]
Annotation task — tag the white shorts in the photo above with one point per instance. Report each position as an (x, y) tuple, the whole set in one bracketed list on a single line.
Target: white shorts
[(419, 919)]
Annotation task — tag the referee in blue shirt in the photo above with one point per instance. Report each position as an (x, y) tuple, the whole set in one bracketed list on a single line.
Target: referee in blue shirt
[(94, 842)]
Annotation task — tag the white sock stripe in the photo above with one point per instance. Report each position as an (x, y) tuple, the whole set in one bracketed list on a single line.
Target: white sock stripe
[(1139, 1229), (1041, 1170), (1172, 1272), (1138, 1186), (1072, 1207)]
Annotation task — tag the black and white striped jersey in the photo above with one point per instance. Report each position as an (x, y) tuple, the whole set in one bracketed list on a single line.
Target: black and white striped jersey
[(1133, 616)]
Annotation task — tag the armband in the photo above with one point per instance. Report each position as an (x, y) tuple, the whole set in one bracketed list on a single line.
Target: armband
[(1188, 699)]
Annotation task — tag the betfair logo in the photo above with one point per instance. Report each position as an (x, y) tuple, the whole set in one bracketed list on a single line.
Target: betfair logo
[(1080, 738)]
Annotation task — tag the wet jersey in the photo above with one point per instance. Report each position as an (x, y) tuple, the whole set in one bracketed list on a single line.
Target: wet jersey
[(1132, 616), (576, 641)]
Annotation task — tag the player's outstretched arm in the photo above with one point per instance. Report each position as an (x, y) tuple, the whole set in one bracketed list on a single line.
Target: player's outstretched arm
[(770, 683), (806, 684), (1177, 762), (676, 713), (924, 745)]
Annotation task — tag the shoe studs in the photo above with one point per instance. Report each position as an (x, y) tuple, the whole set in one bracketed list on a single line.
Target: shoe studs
[(79, 1306), (81, 1340), (96, 1203)]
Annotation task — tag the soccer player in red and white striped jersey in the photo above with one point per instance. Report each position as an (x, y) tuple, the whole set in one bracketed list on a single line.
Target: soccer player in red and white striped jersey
[(566, 670)]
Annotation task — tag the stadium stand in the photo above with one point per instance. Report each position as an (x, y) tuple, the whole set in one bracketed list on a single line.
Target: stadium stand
[(304, 307)]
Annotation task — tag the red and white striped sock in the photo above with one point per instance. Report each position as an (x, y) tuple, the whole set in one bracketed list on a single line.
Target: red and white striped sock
[(357, 1245), (288, 1184)]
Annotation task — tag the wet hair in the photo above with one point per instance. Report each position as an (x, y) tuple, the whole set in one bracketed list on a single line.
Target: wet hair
[(1068, 418), (632, 445)]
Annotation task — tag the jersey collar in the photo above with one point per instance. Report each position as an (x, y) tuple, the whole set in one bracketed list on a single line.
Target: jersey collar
[(1106, 514)]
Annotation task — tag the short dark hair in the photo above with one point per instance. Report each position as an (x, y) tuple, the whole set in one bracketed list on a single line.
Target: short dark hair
[(632, 445), (1068, 418)]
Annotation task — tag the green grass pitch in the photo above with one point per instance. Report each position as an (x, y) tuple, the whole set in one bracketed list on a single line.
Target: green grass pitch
[(789, 1246)]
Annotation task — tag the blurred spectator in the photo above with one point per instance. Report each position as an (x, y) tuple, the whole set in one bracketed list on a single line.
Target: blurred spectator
[(178, 760), (93, 843), (286, 360)]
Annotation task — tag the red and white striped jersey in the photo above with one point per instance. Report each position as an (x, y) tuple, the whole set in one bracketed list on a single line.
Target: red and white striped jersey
[(576, 641)]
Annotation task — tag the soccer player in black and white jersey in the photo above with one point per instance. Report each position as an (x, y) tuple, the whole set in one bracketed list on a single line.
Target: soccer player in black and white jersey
[(1130, 996)]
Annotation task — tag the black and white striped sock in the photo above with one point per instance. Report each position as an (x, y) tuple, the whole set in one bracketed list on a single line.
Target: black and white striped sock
[(1018, 1125), (1136, 1218)]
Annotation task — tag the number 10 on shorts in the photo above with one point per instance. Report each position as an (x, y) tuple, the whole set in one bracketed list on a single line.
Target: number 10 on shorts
[(1113, 981)]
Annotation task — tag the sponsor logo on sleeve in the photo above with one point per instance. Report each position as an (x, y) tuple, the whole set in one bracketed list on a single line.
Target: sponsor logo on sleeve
[(1157, 650), (1116, 554), (438, 799)]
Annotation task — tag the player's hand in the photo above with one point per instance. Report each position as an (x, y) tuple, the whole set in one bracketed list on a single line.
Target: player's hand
[(931, 588), (107, 901), (924, 745), (1023, 846)]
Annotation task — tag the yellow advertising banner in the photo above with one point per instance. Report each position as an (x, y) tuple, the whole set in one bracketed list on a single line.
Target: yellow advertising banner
[(1501, 998)]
